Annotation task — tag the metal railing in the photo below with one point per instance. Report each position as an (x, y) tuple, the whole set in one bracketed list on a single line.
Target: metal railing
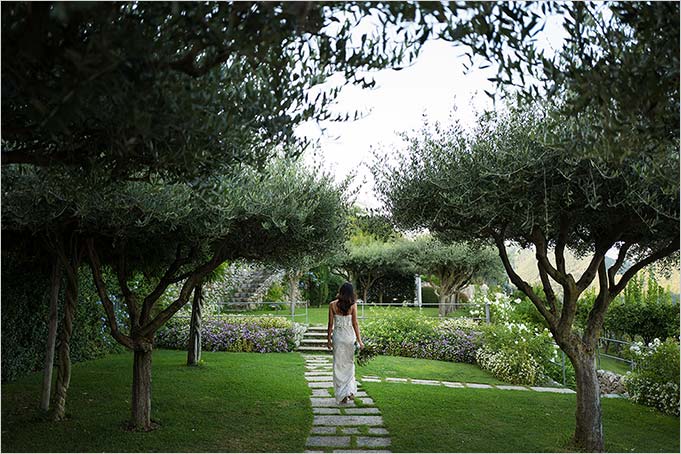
[(246, 309), (631, 363), (599, 353)]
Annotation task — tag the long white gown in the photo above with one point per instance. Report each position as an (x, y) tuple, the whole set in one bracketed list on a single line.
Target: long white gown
[(343, 357)]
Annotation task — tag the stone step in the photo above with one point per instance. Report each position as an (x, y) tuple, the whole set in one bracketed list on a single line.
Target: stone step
[(313, 349), (315, 333), (313, 341)]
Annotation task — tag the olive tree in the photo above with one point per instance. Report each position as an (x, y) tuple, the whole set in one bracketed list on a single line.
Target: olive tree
[(524, 178), (177, 91), (178, 234), (365, 262), (454, 265)]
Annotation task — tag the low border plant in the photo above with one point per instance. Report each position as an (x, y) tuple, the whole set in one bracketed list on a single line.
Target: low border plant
[(264, 334), (655, 379)]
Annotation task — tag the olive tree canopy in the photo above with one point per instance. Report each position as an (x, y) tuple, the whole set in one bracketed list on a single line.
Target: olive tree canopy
[(523, 177)]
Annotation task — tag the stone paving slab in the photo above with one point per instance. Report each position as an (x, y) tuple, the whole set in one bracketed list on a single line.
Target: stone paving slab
[(377, 431), (372, 380), (373, 442), (323, 430), (512, 387), (315, 372), (552, 390), (478, 386), (371, 376), (426, 382), (367, 400), (322, 452), (363, 411), (347, 420), (321, 392), (350, 430), (315, 440), (328, 402), (358, 450), (613, 396), (319, 378), (452, 384), (396, 380), (320, 384), (326, 411), (360, 394)]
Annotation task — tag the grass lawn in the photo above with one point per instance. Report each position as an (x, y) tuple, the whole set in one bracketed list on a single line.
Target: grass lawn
[(394, 366), (319, 315), (613, 365), (238, 402), (438, 419)]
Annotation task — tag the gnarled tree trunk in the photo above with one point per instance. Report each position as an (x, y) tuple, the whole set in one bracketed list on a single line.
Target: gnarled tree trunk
[(51, 336), (194, 348), (64, 365), (589, 428), (141, 387), (442, 304)]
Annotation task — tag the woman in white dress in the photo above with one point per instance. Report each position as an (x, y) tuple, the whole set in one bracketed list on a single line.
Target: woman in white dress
[(343, 330)]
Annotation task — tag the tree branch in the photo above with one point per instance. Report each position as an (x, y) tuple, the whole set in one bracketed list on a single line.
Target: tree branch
[(672, 247), (597, 313), (521, 284), (548, 289), (612, 272), (130, 300), (592, 269), (96, 267), (166, 280), (541, 247), (560, 244), (187, 288)]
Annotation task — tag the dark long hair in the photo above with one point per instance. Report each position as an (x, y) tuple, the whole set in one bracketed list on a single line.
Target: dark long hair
[(346, 298)]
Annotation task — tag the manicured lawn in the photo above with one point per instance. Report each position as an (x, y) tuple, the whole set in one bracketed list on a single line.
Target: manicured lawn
[(394, 366), (238, 402), (319, 315), (438, 419), (613, 365)]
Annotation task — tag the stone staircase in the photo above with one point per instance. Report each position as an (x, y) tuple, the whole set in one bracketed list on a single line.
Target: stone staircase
[(253, 283), (314, 340)]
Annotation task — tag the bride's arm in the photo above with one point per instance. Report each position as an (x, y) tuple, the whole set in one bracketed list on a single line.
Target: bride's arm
[(355, 325), (329, 328)]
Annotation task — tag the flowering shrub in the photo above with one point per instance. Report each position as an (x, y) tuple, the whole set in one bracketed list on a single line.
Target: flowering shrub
[(512, 366), (655, 380), (235, 334), (500, 307), (520, 354), (407, 333)]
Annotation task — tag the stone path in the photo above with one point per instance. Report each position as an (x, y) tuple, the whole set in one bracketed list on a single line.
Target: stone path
[(450, 384), (353, 427)]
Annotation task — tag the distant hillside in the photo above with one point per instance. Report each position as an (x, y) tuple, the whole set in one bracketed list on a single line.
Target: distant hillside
[(525, 264)]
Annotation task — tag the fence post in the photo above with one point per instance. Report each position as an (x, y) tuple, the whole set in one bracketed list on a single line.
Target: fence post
[(562, 363), (487, 318)]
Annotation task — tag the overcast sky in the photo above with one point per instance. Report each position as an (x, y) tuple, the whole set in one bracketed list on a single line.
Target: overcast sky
[(436, 85)]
